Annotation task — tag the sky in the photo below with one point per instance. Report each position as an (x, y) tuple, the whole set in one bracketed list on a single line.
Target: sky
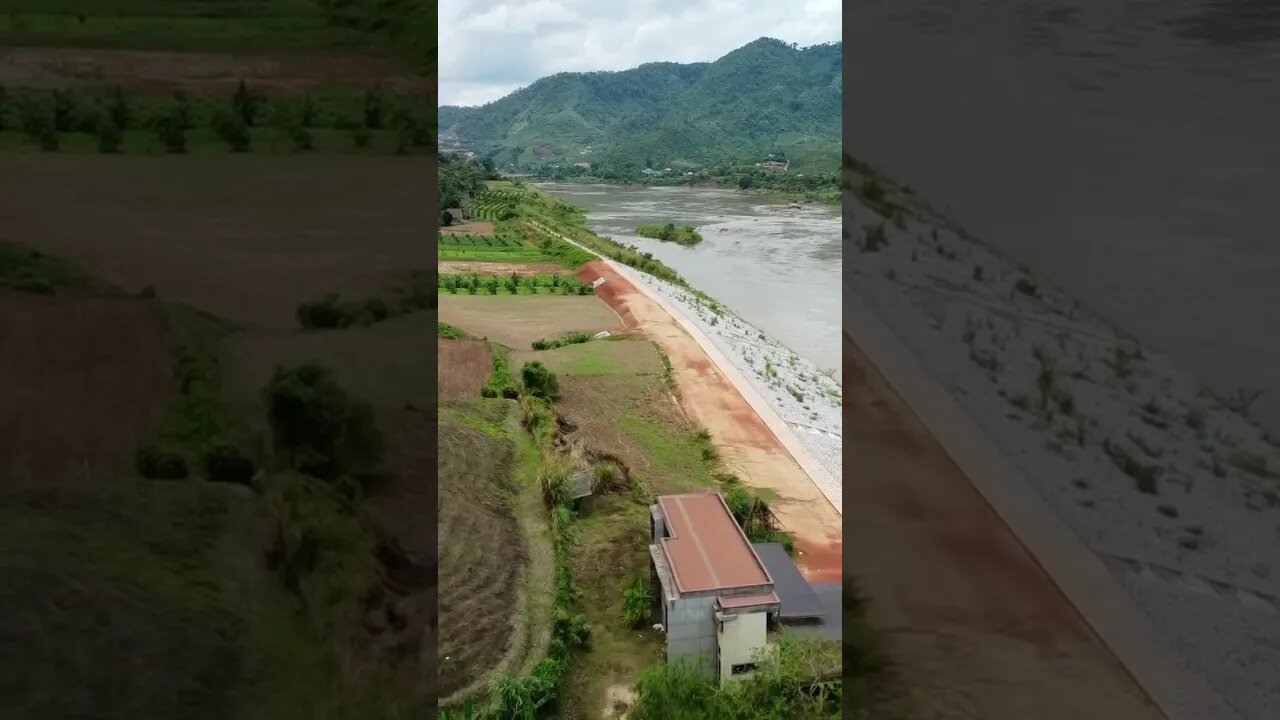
[(489, 48)]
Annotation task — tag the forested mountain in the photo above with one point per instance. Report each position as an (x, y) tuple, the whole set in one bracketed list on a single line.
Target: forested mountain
[(765, 97)]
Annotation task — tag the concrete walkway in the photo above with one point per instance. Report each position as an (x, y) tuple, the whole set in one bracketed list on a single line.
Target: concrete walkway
[(824, 480)]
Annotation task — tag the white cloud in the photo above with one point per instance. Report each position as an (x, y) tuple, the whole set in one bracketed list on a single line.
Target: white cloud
[(489, 48)]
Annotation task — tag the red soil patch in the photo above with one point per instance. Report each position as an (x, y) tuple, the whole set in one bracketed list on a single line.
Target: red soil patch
[(464, 367), (820, 562), (201, 73), (83, 383), (471, 228), (974, 622), (614, 291)]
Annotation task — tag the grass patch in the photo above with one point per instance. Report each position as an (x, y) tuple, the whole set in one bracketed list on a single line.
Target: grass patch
[(501, 384), (449, 332), (28, 270)]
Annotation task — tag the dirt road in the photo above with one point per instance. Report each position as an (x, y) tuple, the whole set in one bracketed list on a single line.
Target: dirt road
[(978, 628), (747, 445)]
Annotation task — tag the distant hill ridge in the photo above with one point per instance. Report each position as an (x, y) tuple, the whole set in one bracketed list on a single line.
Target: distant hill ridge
[(765, 97)]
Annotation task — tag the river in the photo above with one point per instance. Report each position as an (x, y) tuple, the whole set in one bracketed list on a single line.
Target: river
[(1126, 150), (774, 266)]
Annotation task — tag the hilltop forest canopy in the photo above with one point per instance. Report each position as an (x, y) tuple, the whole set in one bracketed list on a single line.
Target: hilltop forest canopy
[(765, 98), (460, 180)]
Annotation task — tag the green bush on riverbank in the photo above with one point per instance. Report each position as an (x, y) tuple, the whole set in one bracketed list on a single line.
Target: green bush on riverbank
[(685, 235)]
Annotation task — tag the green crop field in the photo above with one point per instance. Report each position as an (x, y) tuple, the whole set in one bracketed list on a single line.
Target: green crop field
[(117, 120), (493, 205), (482, 242), (472, 284)]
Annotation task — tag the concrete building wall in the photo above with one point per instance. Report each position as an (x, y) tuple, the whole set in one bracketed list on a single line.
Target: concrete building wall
[(691, 632), (741, 640)]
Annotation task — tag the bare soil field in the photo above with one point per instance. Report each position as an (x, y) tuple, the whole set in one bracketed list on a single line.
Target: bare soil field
[(977, 628), (496, 268), (747, 445), (83, 382), (247, 238), (517, 320), (199, 73), (483, 554), (472, 228), (464, 365)]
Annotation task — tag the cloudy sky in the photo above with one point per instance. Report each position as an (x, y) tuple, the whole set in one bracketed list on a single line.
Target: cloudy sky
[(489, 48)]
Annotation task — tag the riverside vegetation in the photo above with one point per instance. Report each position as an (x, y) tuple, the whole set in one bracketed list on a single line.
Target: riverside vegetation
[(683, 235)]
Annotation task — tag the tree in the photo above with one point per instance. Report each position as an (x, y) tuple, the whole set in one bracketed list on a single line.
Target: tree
[(118, 108), (168, 127), (669, 232), (316, 425), (373, 108), (539, 381), (231, 127), (182, 114), (246, 104), (64, 108), (109, 136)]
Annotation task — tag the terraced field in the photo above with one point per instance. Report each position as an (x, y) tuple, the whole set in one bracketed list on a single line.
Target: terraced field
[(493, 205)]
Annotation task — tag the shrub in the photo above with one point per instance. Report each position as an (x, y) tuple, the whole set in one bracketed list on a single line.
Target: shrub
[(636, 602), (316, 425), (157, 463), (539, 381), (500, 383), (226, 463), (233, 130), (324, 313), (540, 419), (246, 104), (118, 108), (569, 339), (109, 136), (168, 128), (362, 137), (554, 481), (605, 477)]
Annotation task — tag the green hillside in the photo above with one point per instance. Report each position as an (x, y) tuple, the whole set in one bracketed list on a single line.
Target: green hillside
[(765, 97)]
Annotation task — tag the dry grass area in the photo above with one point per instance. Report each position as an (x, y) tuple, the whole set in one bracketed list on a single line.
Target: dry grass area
[(247, 238), (464, 365), (483, 554), (472, 228), (83, 382), (517, 320)]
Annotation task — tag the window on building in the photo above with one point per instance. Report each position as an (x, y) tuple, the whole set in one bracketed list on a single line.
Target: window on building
[(742, 669)]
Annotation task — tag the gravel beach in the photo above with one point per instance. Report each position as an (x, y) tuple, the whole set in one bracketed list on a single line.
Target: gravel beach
[(1175, 489)]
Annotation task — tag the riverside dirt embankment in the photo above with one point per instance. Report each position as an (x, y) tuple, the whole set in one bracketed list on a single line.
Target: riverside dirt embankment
[(745, 441)]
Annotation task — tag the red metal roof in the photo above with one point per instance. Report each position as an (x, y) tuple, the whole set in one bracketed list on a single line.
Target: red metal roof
[(706, 549), (738, 602)]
